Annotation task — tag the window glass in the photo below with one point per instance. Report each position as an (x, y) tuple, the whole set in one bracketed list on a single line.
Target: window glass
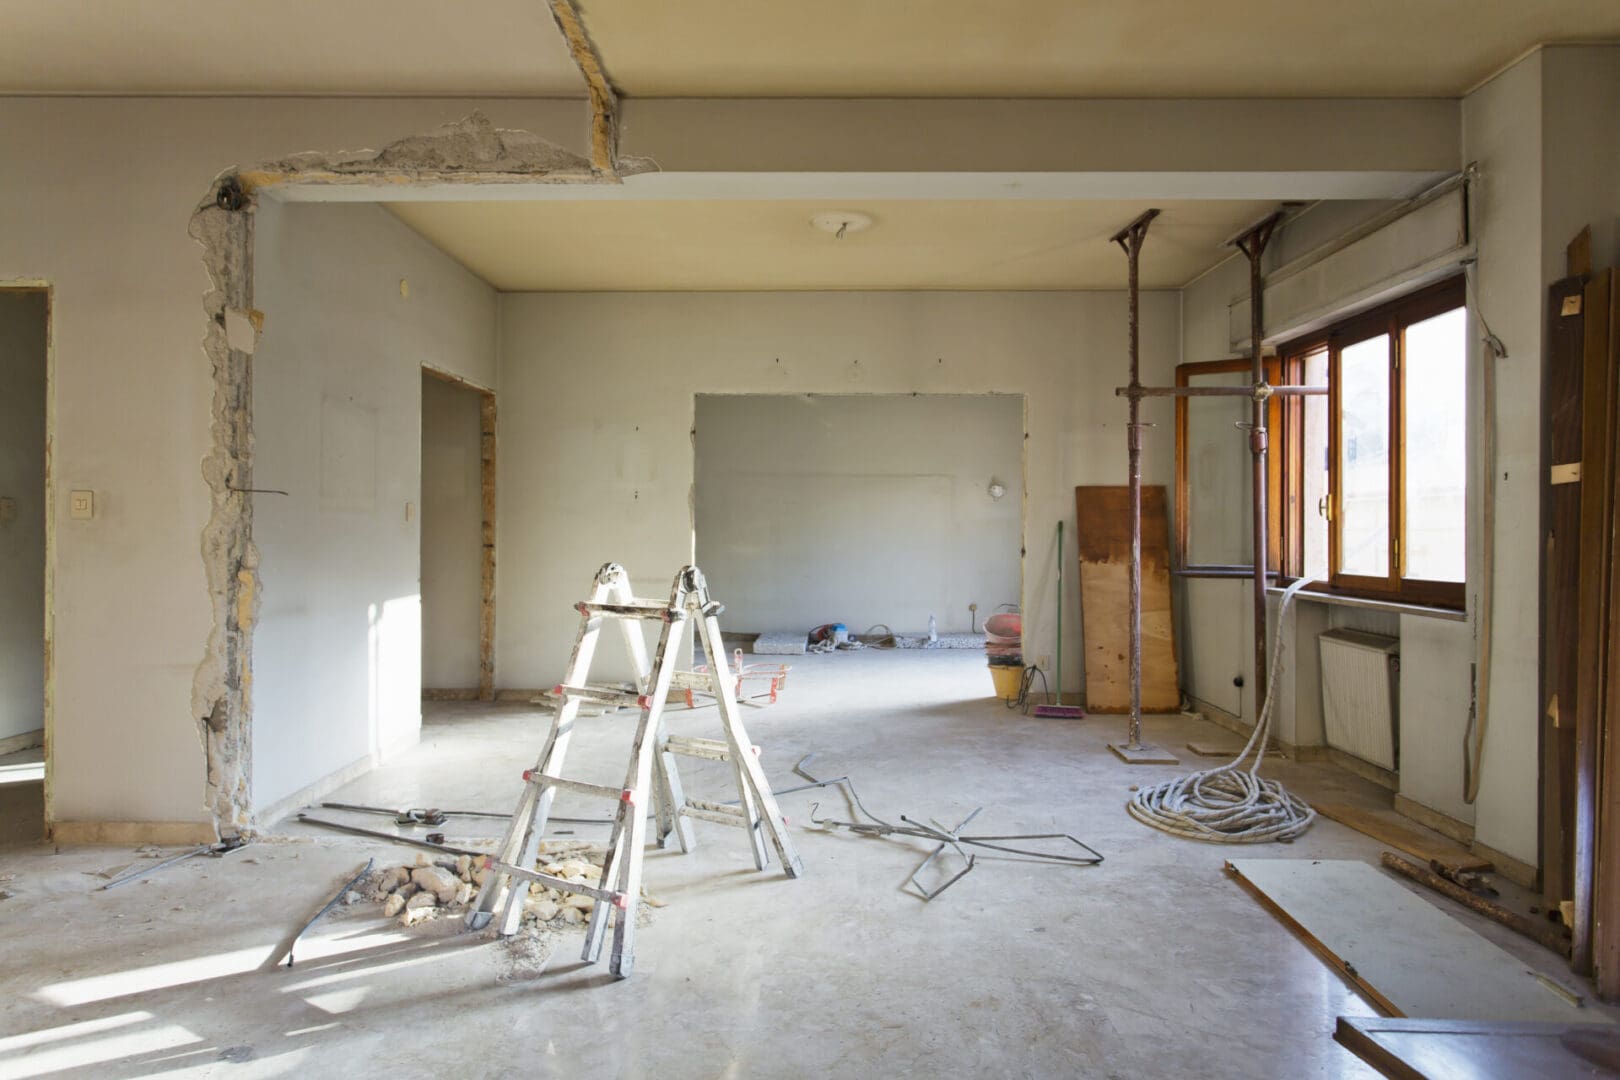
[(1436, 446), (1314, 482), (1364, 458), (1219, 474)]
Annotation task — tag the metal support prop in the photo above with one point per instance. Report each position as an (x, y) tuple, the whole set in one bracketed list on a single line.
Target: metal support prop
[(1253, 245), (1130, 239), (1252, 242)]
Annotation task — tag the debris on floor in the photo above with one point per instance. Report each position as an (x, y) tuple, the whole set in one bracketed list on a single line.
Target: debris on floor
[(435, 887)]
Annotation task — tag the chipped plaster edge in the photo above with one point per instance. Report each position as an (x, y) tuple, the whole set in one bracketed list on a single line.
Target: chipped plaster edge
[(470, 151), (604, 102), (221, 691)]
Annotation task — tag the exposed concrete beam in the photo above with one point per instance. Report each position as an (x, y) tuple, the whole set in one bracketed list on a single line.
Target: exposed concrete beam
[(858, 186), (604, 102), (1119, 136)]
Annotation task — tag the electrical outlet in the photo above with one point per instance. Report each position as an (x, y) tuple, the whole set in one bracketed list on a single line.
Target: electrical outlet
[(82, 505), (1043, 662)]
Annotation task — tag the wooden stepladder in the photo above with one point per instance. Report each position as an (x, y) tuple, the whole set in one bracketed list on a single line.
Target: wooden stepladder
[(652, 778)]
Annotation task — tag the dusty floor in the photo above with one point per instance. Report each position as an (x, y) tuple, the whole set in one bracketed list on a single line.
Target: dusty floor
[(1151, 964)]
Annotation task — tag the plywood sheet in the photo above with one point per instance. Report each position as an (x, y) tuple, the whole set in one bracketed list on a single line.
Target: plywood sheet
[(1405, 955), (1387, 826), (1103, 536), (1451, 1048)]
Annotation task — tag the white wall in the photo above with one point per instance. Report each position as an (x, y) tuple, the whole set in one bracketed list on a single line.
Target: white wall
[(452, 534), (1502, 131), (1544, 134), (859, 509), (337, 394), (22, 538), (597, 395), (95, 197)]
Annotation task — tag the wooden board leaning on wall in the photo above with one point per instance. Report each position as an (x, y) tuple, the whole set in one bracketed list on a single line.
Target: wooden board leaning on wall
[(1103, 535)]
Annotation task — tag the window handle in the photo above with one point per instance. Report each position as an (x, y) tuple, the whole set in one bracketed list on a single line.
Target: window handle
[(1324, 507)]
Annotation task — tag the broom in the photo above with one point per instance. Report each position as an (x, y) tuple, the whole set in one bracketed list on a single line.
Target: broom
[(1061, 711)]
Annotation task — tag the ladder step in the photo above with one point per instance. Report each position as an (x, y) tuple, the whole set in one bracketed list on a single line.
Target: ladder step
[(564, 784), (715, 812), (690, 746), (561, 884), (637, 609), (691, 680), (607, 695)]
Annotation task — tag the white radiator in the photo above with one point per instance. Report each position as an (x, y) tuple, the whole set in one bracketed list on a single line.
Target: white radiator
[(1360, 694)]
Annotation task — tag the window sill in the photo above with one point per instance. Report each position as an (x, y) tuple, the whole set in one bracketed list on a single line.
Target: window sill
[(1393, 606)]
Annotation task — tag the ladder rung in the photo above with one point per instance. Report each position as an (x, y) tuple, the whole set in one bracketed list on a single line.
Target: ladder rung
[(607, 695), (561, 884), (689, 746), (564, 784), (691, 680), (638, 609), (718, 813)]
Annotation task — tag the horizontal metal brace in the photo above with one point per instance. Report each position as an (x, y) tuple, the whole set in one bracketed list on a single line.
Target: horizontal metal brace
[(1263, 391), (640, 609), (718, 813), (563, 784), (606, 695), (688, 746), (552, 882)]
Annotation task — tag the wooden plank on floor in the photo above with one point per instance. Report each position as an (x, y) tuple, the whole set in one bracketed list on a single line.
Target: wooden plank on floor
[(1390, 828), (1103, 537), (1442, 1049), (1405, 955)]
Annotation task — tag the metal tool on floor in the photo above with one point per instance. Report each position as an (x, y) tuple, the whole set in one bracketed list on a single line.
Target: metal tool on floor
[(428, 843), (412, 816), (946, 838), (291, 943), (652, 775), (224, 847)]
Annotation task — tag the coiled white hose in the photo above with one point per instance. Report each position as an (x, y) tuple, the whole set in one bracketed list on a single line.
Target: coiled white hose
[(1231, 804)]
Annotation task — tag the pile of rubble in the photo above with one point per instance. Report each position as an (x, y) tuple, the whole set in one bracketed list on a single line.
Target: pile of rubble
[(436, 886)]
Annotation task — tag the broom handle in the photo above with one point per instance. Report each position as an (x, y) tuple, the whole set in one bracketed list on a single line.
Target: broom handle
[(1058, 674)]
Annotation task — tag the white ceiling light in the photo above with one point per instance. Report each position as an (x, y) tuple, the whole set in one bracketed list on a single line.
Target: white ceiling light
[(840, 223)]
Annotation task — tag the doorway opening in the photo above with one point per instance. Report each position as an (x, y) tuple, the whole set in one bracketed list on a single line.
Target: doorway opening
[(897, 516), (458, 539), (24, 375)]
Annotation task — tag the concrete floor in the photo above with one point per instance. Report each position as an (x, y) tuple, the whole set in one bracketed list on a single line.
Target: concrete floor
[(1151, 964)]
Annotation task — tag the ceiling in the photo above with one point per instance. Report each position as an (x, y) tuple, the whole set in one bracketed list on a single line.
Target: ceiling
[(699, 245), (781, 48), (416, 47), (1075, 48)]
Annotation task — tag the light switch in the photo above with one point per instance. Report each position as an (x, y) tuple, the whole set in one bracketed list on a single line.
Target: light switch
[(410, 511), (82, 505)]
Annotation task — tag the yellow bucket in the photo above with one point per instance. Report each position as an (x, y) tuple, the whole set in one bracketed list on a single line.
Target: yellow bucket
[(1008, 678)]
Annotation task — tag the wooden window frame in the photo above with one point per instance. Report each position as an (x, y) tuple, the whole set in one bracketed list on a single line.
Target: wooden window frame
[(1274, 479), (1392, 318)]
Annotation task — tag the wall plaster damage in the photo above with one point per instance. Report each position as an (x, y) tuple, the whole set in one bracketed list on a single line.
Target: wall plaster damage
[(470, 151)]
